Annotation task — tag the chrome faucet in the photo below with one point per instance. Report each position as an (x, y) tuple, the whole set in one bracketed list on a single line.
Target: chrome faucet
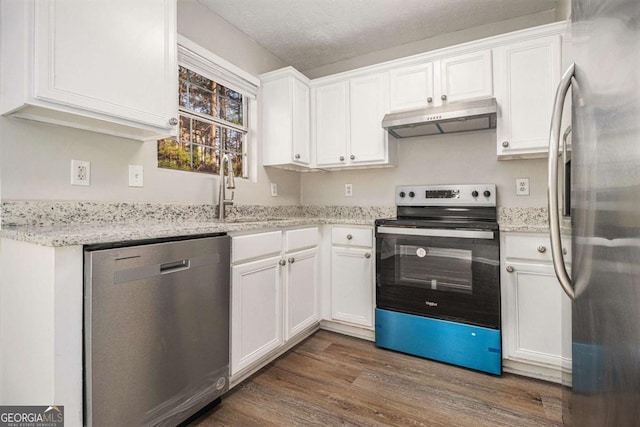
[(230, 184)]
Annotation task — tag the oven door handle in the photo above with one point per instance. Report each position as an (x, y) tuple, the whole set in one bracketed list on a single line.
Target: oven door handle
[(436, 232)]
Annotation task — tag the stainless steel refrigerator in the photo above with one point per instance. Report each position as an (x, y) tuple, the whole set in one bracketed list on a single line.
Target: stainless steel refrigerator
[(605, 212)]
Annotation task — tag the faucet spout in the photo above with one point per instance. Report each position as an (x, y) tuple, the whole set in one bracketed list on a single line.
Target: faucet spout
[(229, 184)]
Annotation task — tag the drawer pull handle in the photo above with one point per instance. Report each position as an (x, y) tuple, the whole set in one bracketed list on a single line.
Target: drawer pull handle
[(292, 260), (282, 263), (542, 249), (509, 269), (349, 237)]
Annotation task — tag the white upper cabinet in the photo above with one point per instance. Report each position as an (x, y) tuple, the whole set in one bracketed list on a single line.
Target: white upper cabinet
[(448, 79), (411, 87), (466, 76), (347, 123), (367, 108), (527, 74), (331, 124), (109, 67), (286, 119)]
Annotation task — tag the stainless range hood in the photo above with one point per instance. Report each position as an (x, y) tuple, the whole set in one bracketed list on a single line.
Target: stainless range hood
[(454, 117)]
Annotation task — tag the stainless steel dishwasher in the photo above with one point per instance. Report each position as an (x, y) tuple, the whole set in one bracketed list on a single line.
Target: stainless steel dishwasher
[(156, 332)]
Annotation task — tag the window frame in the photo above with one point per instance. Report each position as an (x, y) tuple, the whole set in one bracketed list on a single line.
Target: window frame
[(201, 61)]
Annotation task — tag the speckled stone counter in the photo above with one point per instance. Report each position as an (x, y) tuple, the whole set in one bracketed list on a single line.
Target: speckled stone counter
[(81, 223), (531, 220)]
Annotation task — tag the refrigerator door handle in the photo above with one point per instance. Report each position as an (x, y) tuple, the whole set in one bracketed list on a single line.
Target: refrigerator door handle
[(552, 183), (565, 157)]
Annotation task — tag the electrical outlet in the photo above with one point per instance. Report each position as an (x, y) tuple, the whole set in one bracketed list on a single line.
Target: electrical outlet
[(274, 189), (80, 172), (136, 176), (522, 186), (348, 190)]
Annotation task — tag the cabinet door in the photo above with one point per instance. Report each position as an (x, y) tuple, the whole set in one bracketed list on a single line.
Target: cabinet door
[(466, 76), (331, 124), (367, 96), (301, 130), (115, 58), (301, 290), (352, 285), (527, 74), (411, 87), (256, 312), (537, 325)]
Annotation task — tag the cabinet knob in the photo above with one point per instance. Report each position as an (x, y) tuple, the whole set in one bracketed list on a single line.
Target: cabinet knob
[(173, 121), (282, 263), (342, 158), (352, 157), (542, 249), (297, 156), (443, 97), (564, 251), (292, 260), (367, 255), (349, 237), (509, 269), (429, 99), (505, 144)]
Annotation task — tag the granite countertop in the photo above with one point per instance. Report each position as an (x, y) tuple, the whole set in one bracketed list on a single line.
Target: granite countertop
[(87, 234), (51, 223)]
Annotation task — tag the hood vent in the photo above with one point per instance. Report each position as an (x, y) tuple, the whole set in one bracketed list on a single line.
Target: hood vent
[(455, 117)]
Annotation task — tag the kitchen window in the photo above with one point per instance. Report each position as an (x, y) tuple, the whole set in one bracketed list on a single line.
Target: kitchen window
[(213, 109)]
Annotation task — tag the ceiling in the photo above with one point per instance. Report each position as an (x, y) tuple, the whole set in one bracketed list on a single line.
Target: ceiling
[(311, 33)]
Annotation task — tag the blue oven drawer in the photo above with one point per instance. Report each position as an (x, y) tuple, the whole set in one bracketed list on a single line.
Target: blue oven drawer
[(470, 346)]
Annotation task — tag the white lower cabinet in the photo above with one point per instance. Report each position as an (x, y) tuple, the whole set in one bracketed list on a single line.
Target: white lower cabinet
[(274, 295), (302, 291), (256, 311), (536, 314), (352, 275)]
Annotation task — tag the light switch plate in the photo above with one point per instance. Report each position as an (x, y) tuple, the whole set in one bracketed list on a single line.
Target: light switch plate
[(274, 189), (522, 186), (136, 176)]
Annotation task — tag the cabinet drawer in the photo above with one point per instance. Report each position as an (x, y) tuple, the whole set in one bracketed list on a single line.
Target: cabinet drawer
[(255, 245), (300, 239), (350, 236), (535, 248)]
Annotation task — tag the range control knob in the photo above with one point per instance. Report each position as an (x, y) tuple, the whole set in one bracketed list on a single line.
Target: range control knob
[(402, 194), (487, 193), (474, 193), (412, 194)]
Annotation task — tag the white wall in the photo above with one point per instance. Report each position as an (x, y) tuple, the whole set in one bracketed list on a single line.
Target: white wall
[(35, 158), (462, 158)]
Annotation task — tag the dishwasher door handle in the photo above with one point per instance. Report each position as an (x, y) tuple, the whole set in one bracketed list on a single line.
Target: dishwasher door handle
[(172, 267)]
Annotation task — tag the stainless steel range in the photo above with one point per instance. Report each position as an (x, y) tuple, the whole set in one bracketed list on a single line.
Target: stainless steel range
[(438, 278)]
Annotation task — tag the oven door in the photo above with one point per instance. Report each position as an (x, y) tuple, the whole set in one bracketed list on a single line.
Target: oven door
[(451, 274)]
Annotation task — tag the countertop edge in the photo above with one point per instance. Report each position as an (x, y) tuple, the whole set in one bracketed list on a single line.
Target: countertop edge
[(87, 234)]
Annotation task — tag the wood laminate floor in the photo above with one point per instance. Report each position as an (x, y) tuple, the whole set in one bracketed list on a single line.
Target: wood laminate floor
[(335, 380)]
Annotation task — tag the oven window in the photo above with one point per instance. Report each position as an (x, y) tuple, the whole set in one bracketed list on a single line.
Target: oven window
[(438, 269)]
